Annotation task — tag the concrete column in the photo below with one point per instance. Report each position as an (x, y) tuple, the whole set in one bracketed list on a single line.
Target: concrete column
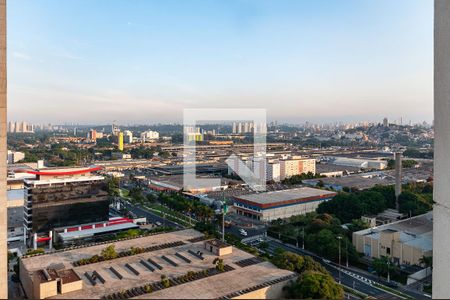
[(65, 230), (441, 211), (3, 209)]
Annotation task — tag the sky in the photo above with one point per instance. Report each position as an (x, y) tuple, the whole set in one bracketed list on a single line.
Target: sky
[(144, 61)]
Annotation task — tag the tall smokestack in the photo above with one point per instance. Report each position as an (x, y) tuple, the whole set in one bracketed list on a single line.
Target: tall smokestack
[(398, 178)]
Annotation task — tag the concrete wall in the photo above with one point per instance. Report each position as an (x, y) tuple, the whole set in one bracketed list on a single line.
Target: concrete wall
[(441, 212), (3, 199), (70, 287), (272, 292), (45, 290), (404, 253)]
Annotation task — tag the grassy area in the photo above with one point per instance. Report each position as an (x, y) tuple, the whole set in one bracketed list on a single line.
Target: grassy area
[(170, 216), (168, 211), (124, 193), (355, 292), (393, 291)]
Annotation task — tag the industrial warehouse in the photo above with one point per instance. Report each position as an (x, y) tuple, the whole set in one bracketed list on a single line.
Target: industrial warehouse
[(280, 204), (180, 264)]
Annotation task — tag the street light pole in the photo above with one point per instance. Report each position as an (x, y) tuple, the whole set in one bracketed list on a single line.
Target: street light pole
[(303, 238), (223, 225), (339, 239), (346, 253), (388, 277)]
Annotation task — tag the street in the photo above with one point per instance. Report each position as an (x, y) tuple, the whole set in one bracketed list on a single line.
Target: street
[(151, 217), (350, 278)]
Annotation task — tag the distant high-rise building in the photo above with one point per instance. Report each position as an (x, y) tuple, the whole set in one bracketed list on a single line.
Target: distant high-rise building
[(385, 122), (239, 129), (149, 135), (246, 127), (92, 135), (120, 141), (127, 137), (234, 127), (15, 156)]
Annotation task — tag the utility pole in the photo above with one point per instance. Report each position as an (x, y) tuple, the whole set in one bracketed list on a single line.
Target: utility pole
[(339, 239)]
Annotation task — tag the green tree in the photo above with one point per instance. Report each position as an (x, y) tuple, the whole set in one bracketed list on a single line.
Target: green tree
[(413, 203), (165, 281), (218, 262), (382, 265), (314, 285), (112, 185), (109, 252)]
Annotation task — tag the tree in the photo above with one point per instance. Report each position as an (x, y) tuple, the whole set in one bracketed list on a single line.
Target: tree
[(112, 185), (109, 252), (151, 198), (218, 262), (426, 262), (382, 265), (314, 285), (165, 281), (415, 204)]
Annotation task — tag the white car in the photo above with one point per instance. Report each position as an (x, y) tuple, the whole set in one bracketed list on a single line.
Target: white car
[(244, 233)]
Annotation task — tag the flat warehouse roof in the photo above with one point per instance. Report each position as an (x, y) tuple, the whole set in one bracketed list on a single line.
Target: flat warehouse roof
[(277, 197)]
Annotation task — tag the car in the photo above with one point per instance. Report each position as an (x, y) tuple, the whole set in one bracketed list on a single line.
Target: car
[(244, 233), (158, 223)]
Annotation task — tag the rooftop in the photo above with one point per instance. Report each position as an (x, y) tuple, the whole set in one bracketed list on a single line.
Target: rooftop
[(174, 261), (416, 231), (286, 195)]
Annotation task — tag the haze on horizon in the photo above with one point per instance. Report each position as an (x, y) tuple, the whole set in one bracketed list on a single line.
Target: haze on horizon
[(94, 61)]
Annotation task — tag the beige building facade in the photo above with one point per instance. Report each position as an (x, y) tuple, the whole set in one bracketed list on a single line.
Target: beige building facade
[(405, 242)]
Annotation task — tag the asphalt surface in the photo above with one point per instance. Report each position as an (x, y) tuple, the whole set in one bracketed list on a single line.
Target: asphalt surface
[(346, 279), (151, 217)]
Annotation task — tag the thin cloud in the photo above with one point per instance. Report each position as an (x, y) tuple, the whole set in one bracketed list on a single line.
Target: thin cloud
[(69, 56), (20, 55)]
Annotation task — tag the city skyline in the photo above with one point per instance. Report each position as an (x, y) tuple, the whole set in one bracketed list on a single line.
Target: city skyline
[(146, 62)]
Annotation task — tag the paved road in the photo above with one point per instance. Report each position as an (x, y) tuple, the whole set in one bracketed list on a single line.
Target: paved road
[(250, 231), (151, 217), (346, 279)]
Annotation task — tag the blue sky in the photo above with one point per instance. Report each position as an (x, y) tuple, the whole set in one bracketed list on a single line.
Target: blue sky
[(144, 61)]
